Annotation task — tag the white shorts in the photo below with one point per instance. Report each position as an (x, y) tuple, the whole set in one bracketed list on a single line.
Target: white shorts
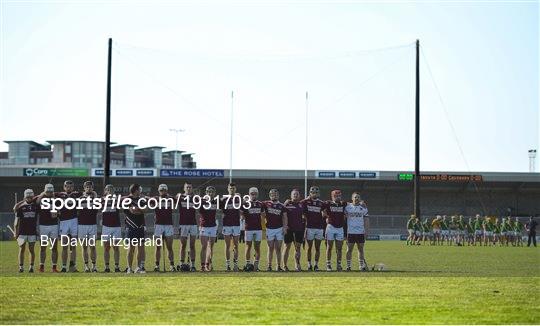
[(453, 233), (87, 231), (208, 231), (255, 235), (488, 233), (274, 234), (411, 231), (108, 232), (418, 232), (188, 230), (436, 231), (333, 233), (69, 227), (445, 232), (21, 239), (51, 231), (231, 230), (316, 234), (478, 232), (165, 230)]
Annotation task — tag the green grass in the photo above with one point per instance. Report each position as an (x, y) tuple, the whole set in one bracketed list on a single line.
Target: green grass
[(433, 285)]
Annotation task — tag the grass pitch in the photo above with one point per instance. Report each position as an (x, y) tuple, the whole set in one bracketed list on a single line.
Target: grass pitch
[(422, 284)]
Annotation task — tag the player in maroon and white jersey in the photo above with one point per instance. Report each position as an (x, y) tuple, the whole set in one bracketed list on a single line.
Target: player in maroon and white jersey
[(48, 229), (252, 214), (163, 225), (26, 227), (188, 225), (276, 227), (295, 230), (208, 231), (335, 218), (68, 225), (87, 226), (313, 208), (111, 231), (230, 206)]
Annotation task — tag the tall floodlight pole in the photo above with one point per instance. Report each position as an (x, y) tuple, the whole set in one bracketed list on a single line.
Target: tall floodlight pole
[(306, 162), (231, 139), (107, 165), (417, 137), (176, 132)]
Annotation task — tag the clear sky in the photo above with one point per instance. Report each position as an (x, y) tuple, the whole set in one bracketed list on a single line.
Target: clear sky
[(175, 64)]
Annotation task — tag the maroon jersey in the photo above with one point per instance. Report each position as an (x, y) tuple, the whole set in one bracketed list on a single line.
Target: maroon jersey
[(336, 213), (208, 216), (187, 215), (313, 212), (46, 217), (87, 215), (231, 215), (274, 214), (252, 216), (294, 216), (110, 216), (67, 214), (27, 216), (164, 210)]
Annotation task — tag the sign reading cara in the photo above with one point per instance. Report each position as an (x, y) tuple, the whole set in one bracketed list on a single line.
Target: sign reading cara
[(52, 172), (191, 173)]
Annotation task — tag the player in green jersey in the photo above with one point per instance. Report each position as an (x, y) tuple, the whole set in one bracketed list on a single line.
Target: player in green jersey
[(496, 232), (426, 231), (445, 233), (488, 230), (478, 230), (470, 231), (410, 228)]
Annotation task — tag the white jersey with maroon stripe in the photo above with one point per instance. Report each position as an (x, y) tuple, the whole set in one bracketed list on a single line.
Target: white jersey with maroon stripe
[(355, 218)]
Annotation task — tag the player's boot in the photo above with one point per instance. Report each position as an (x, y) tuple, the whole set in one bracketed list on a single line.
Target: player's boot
[(298, 268), (235, 267), (286, 269), (86, 269), (107, 270), (94, 269), (193, 269), (279, 269), (269, 269), (31, 269), (117, 269), (316, 268), (63, 270), (73, 269), (228, 268), (363, 265), (54, 270), (21, 269), (156, 268), (172, 268), (41, 268), (348, 268), (328, 267), (129, 270), (339, 268)]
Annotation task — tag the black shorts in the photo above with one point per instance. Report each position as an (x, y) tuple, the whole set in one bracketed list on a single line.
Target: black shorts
[(135, 233), (356, 238), (297, 236)]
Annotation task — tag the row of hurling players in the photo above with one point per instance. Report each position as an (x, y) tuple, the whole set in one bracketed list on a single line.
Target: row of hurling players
[(294, 221), (486, 231)]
